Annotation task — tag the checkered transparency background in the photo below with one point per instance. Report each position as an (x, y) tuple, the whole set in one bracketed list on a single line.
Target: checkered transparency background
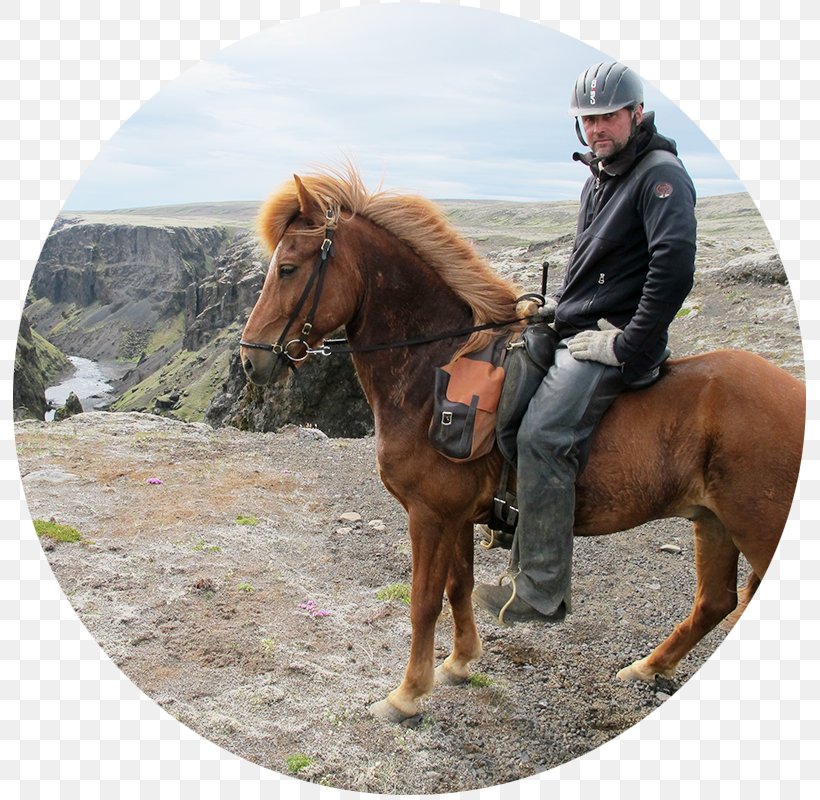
[(71, 71)]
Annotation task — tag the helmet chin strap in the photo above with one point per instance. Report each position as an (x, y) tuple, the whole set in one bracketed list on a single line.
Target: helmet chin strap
[(578, 132), (635, 126)]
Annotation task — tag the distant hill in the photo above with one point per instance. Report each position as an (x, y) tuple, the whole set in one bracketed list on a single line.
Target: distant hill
[(166, 291), (239, 214)]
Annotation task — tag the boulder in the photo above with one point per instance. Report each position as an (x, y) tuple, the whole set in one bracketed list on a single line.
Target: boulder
[(764, 268), (72, 406), (324, 394)]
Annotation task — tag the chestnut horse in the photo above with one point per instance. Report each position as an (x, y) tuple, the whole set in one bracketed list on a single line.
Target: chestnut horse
[(717, 440)]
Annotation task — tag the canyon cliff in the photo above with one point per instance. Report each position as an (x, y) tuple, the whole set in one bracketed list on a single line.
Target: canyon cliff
[(165, 292)]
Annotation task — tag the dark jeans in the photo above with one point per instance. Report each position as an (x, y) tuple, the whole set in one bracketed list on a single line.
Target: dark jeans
[(559, 422)]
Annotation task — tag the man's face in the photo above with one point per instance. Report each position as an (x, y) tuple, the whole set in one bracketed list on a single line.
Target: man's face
[(608, 134)]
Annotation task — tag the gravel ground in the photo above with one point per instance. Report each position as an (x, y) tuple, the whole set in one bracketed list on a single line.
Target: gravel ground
[(216, 620)]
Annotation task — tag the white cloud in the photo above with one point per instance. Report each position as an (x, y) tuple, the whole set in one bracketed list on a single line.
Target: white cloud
[(441, 99)]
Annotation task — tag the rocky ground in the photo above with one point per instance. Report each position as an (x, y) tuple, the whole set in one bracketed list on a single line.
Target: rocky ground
[(217, 570), (234, 594)]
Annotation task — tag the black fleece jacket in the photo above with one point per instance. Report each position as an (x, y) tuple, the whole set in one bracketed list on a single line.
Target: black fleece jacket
[(634, 256)]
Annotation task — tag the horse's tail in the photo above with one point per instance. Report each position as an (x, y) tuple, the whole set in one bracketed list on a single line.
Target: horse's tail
[(744, 597)]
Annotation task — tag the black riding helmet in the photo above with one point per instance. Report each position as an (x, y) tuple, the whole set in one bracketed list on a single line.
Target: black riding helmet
[(602, 89)]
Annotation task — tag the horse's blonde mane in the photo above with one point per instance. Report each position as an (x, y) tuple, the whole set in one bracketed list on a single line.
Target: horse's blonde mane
[(417, 222)]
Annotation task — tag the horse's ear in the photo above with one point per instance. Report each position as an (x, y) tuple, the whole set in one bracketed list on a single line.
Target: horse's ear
[(309, 206)]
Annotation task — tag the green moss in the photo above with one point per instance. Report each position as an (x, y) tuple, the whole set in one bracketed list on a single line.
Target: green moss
[(141, 397), (296, 763), (243, 520), (170, 332), (394, 591), (56, 531), (198, 394), (37, 307), (200, 546), (479, 681), (245, 587), (51, 359), (72, 319)]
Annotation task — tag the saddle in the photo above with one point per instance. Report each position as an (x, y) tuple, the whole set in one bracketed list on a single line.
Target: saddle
[(480, 400)]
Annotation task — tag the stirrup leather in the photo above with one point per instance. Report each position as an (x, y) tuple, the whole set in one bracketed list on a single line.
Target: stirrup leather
[(500, 530)]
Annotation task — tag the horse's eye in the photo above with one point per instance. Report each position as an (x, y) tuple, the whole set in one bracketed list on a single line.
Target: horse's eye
[(286, 270)]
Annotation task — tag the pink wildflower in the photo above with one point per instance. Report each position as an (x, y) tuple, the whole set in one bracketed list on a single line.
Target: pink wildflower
[(313, 609)]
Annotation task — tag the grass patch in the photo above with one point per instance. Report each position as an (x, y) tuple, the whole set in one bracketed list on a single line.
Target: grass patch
[(245, 587), (167, 333), (50, 359), (296, 763), (478, 680), (198, 393), (247, 520), (56, 531), (69, 318), (394, 591), (267, 646), (200, 546)]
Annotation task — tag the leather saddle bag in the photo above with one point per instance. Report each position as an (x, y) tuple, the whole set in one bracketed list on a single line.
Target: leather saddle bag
[(465, 402)]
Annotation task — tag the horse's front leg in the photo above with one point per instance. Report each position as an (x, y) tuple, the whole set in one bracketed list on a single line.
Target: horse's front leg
[(432, 544), (455, 669)]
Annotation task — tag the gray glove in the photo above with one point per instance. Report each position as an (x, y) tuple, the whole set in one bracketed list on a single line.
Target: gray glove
[(596, 345), (547, 311)]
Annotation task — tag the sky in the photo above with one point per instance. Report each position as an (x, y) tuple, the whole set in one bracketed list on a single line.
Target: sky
[(447, 102)]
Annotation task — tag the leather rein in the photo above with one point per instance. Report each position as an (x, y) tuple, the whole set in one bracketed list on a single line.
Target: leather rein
[(298, 349)]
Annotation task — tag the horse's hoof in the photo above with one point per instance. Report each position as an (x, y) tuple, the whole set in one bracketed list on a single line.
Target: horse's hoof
[(639, 671), (446, 677), (386, 711), (632, 674)]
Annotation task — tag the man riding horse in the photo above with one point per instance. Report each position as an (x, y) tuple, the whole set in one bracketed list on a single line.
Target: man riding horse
[(631, 268)]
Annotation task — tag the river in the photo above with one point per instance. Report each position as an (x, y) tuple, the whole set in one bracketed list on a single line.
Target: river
[(89, 382)]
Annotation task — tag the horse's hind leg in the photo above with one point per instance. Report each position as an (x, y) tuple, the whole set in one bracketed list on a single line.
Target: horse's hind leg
[(455, 669), (757, 533), (716, 557), (744, 597)]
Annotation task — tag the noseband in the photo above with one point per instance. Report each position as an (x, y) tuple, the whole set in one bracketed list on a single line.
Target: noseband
[(283, 349)]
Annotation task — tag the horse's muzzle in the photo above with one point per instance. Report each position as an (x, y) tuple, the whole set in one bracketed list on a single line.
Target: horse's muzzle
[(262, 368)]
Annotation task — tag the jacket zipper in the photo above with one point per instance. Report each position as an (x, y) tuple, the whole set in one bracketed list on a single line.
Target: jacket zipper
[(591, 301)]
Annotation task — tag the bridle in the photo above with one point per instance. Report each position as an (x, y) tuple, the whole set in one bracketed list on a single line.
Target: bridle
[(296, 350), (282, 349)]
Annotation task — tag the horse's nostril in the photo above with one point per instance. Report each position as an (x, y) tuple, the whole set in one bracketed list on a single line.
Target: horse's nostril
[(247, 366)]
